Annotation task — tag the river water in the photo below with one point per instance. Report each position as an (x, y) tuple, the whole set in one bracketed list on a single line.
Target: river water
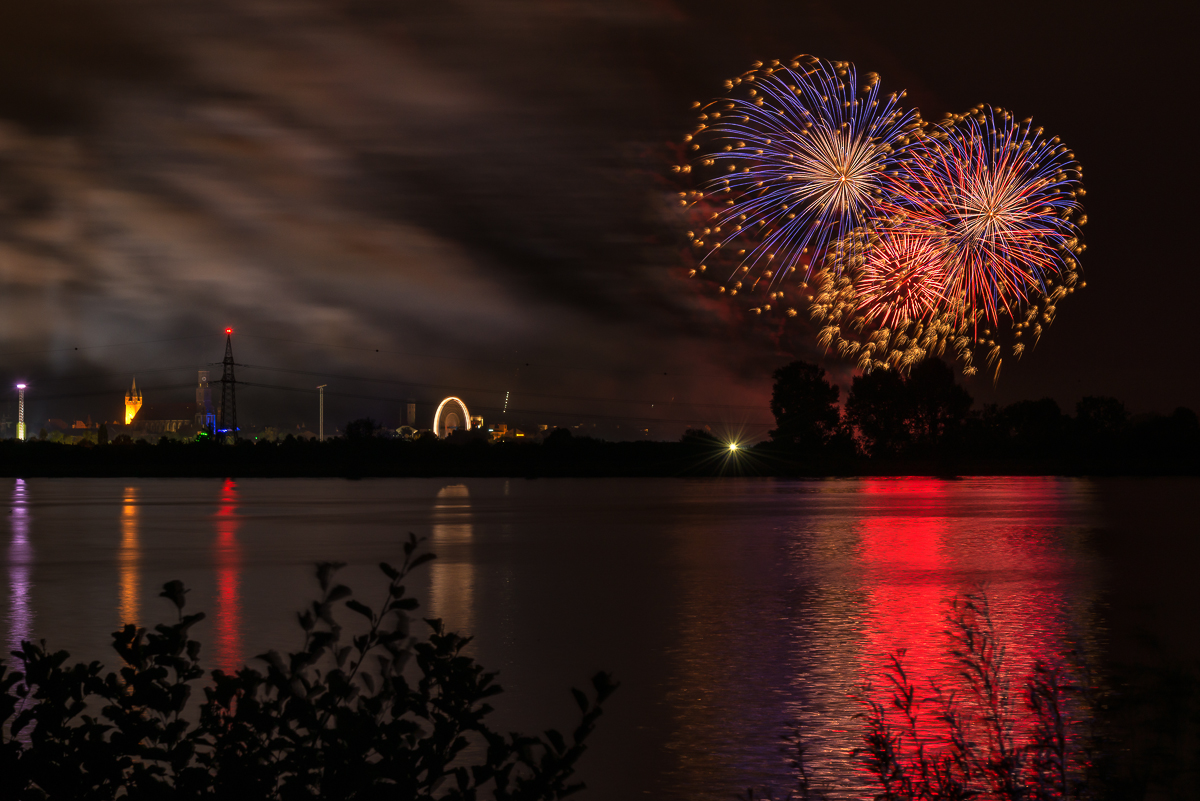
[(726, 608)]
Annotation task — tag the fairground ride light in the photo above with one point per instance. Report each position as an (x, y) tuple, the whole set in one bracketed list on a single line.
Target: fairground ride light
[(437, 416)]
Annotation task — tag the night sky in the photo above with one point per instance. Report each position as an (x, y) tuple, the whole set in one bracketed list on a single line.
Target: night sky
[(471, 197)]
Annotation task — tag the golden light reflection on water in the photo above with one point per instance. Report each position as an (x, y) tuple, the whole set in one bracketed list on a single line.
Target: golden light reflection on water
[(129, 558), (452, 574)]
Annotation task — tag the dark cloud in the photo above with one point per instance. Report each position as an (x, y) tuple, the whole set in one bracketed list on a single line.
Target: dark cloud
[(58, 58), (445, 182), (478, 179)]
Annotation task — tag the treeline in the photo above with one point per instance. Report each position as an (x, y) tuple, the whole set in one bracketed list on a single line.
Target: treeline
[(560, 454), (895, 423), (922, 424)]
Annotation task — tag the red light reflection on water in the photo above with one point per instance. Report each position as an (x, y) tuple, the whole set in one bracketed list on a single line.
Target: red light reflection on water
[(227, 557), (906, 603), (918, 562)]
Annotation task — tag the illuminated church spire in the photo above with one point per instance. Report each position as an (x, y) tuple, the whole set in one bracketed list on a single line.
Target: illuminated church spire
[(133, 402)]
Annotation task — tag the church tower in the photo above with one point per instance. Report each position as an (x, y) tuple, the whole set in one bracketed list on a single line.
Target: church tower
[(206, 418), (133, 402)]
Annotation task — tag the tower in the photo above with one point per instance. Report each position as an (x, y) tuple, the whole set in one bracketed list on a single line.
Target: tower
[(133, 402), (227, 413), (21, 412), (321, 414), (412, 415), (206, 419)]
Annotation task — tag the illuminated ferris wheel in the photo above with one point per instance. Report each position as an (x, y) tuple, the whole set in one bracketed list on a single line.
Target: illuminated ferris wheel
[(451, 416)]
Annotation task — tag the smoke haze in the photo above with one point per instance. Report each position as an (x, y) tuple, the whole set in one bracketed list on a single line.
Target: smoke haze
[(473, 189)]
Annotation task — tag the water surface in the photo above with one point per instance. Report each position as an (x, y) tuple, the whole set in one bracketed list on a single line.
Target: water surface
[(724, 607)]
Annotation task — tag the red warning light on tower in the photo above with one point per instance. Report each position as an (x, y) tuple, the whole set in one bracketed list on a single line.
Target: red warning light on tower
[(228, 330)]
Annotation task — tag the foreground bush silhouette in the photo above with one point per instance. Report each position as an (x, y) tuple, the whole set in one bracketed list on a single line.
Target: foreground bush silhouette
[(387, 715), (979, 738), (985, 747)]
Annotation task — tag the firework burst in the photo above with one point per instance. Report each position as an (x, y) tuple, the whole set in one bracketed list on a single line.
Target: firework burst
[(903, 277), (792, 159), (907, 239), (1004, 198)]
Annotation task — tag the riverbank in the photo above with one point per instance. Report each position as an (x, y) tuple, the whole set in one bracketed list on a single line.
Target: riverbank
[(578, 458)]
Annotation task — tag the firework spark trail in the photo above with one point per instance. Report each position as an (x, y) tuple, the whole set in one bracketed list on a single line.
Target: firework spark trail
[(1004, 196), (903, 278), (800, 155)]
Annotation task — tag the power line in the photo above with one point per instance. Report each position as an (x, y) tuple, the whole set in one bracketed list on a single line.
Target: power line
[(590, 416), (519, 363), (475, 359), (479, 389), (93, 393), (106, 376), (514, 411), (100, 347), (401, 382), (557, 413), (362, 396)]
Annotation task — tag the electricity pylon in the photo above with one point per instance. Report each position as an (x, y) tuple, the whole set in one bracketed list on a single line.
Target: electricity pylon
[(227, 411)]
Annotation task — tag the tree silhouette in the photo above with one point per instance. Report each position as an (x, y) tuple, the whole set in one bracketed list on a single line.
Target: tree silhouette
[(805, 406), (1032, 429), (698, 436), (559, 437), (1101, 416), (361, 429), (937, 406), (877, 408), (915, 416)]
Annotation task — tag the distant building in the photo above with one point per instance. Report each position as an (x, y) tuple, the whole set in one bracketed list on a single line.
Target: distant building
[(133, 402), (410, 418), (164, 418), (206, 417), (501, 431)]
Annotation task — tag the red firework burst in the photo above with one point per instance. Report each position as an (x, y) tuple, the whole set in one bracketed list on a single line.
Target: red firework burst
[(904, 277)]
